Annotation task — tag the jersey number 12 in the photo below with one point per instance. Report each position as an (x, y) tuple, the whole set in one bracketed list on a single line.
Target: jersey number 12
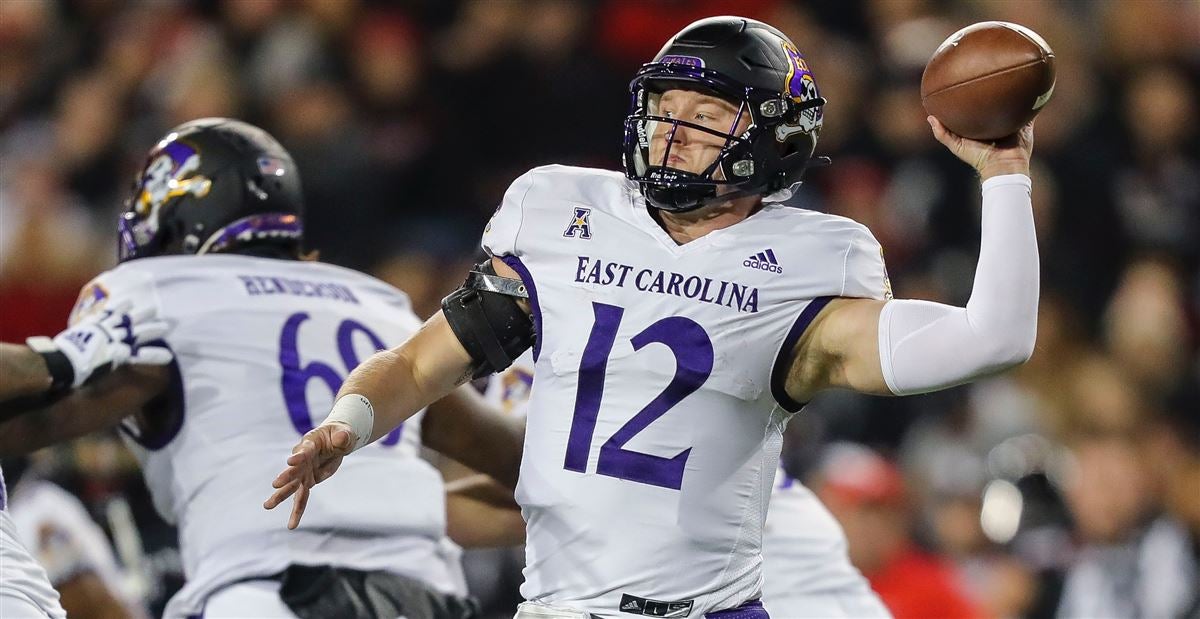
[(693, 352)]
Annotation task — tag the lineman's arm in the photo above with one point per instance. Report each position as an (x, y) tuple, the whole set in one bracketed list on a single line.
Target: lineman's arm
[(466, 428), (482, 514), (95, 406), (61, 388), (22, 372), (909, 346)]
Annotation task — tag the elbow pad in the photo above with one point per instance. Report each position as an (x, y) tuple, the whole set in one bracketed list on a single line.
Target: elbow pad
[(485, 315)]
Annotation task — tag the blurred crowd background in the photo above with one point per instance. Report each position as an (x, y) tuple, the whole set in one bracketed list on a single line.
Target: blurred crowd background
[(1068, 487)]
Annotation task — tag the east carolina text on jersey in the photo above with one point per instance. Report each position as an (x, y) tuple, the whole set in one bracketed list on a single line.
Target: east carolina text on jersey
[(703, 289)]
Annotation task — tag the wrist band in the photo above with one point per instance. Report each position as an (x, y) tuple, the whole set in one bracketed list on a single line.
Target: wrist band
[(62, 373), (355, 411)]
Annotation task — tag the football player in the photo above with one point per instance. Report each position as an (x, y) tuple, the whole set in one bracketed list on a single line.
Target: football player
[(682, 315), (263, 338), (41, 371)]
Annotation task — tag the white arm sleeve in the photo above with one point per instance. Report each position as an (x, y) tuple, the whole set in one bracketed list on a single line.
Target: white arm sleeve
[(926, 346)]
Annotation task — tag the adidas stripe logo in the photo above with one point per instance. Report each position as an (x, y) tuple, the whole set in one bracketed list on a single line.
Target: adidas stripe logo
[(763, 261)]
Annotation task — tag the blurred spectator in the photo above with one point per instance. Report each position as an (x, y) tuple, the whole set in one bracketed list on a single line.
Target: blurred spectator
[(867, 495), (1132, 563)]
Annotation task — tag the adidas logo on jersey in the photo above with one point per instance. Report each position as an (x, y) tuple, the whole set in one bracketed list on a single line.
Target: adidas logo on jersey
[(763, 261), (654, 608)]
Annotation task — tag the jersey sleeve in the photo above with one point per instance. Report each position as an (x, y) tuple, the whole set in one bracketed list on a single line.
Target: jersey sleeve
[(500, 235), (113, 288), (865, 275)]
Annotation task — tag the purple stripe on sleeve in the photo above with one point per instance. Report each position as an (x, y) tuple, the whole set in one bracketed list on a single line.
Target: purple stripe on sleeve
[(515, 264), (783, 360)]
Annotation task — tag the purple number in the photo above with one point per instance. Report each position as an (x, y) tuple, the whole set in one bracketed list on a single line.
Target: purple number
[(694, 356), (295, 378), (345, 343), (591, 384)]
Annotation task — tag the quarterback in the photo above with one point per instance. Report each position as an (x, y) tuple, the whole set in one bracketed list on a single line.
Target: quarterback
[(678, 316), (262, 339)]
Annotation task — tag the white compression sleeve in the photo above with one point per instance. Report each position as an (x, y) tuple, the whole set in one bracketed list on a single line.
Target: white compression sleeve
[(926, 346)]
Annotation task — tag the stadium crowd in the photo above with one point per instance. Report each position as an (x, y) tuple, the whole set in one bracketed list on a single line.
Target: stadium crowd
[(1067, 486)]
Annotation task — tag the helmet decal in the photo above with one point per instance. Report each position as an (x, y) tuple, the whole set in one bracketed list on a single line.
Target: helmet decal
[(166, 177), (801, 86), (271, 166), (690, 61)]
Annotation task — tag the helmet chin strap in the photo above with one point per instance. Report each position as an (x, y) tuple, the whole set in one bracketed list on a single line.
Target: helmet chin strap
[(779, 195)]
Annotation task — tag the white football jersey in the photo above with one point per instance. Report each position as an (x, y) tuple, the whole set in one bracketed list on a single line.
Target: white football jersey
[(23, 583), (805, 563), (806, 568), (656, 416), (261, 348)]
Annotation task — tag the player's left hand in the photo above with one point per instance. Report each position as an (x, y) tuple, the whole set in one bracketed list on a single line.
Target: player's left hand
[(314, 459), (1010, 155)]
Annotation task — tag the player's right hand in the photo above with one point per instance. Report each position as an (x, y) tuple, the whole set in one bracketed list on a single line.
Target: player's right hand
[(1010, 155), (314, 459)]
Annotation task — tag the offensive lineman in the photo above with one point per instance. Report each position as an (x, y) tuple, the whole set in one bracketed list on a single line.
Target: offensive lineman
[(262, 338), (44, 370), (681, 316)]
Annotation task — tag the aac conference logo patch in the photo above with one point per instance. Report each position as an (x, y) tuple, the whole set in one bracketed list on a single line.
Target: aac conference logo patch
[(581, 225)]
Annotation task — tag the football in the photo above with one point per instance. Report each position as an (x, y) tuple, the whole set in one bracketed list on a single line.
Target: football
[(988, 79)]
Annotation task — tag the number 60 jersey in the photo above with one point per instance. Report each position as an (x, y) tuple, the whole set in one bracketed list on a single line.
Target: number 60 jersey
[(655, 421), (261, 347)]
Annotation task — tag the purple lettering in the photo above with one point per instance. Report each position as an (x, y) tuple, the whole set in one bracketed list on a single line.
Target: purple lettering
[(737, 295), (751, 301), (593, 275), (583, 261), (673, 284), (657, 285), (625, 269), (638, 280)]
